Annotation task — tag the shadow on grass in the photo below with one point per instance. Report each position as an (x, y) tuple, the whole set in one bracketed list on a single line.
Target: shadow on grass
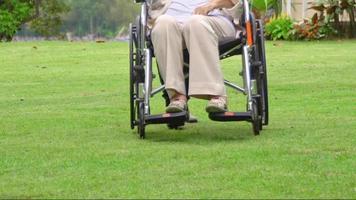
[(201, 133)]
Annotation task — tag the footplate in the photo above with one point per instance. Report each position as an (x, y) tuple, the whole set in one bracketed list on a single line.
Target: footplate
[(231, 116), (167, 118)]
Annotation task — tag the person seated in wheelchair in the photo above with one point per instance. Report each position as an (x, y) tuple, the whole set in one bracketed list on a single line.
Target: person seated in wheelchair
[(197, 25)]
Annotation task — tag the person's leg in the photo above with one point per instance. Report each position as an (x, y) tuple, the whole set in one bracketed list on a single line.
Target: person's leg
[(202, 34), (167, 40)]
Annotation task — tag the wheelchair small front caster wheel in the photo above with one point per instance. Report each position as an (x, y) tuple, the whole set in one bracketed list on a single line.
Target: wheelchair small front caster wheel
[(175, 126)]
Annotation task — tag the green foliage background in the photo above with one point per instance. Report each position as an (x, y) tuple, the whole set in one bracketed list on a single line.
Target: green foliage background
[(102, 18), (279, 28), (49, 22), (12, 14), (109, 18), (51, 18)]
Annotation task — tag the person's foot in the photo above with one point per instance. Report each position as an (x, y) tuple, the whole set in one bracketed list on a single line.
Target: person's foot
[(216, 105), (176, 106)]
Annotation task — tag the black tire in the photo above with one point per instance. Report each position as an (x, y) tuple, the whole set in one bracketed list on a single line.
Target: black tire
[(263, 86), (141, 120), (258, 96), (256, 119), (132, 78)]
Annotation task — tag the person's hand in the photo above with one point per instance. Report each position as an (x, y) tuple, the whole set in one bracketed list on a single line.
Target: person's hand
[(205, 9)]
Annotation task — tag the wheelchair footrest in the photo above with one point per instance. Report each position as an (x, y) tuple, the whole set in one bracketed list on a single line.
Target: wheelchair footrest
[(167, 118), (230, 116)]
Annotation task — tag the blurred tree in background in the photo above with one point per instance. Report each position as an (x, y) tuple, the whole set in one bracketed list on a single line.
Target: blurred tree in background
[(48, 21), (104, 18), (43, 16), (98, 18), (110, 18), (13, 13)]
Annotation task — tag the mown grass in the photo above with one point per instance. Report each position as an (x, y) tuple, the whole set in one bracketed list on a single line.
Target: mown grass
[(64, 129)]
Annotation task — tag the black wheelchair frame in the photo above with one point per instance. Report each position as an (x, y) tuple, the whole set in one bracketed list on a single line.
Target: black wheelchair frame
[(250, 45)]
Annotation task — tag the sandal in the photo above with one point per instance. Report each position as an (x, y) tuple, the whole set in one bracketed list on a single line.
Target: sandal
[(216, 105), (176, 106)]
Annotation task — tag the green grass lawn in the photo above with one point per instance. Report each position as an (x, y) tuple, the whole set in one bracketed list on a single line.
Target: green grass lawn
[(64, 128)]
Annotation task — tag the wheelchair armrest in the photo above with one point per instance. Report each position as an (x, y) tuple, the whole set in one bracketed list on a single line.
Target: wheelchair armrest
[(228, 40), (230, 46)]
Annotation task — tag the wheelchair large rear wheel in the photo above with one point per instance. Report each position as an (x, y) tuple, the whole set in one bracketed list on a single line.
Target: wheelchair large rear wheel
[(259, 75), (262, 85), (133, 94), (259, 110)]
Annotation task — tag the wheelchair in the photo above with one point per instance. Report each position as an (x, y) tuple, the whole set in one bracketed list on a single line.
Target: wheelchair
[(250, 45)]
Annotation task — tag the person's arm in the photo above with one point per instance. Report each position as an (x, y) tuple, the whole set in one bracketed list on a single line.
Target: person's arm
[(214, 4)]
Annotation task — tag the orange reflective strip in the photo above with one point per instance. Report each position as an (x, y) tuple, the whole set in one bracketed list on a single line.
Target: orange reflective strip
[(166, 115), (249, 33), (229, 114)]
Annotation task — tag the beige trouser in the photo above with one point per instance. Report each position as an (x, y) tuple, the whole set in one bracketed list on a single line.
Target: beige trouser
[(200, 35)]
